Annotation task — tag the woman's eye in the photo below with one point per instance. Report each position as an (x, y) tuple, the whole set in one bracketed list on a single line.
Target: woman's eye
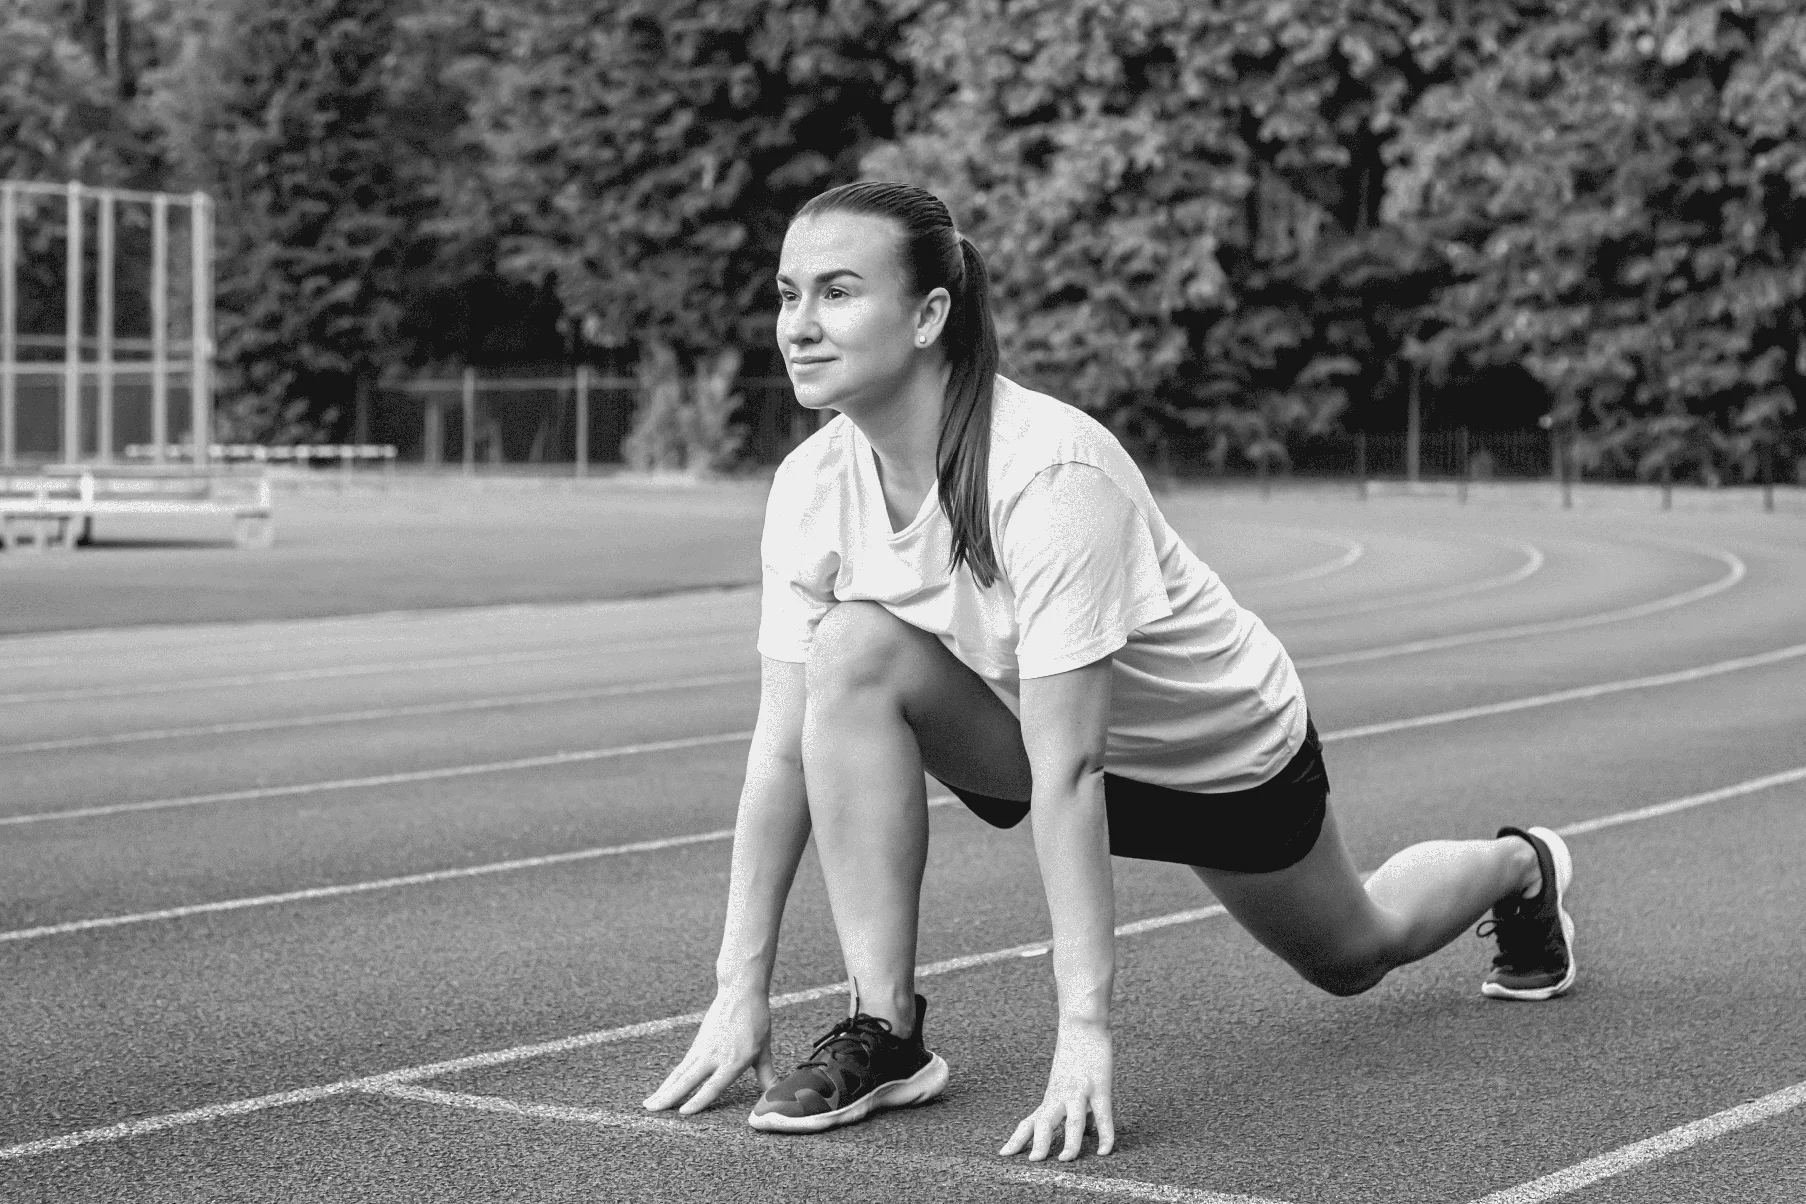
[(835, 292)]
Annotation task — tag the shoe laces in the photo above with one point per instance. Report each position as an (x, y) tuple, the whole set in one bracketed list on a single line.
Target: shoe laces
[(857, 1032), (1525, 940)]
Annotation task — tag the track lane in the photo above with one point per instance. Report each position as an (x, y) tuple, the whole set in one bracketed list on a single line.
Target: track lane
[(980, 887), (1730, 741)]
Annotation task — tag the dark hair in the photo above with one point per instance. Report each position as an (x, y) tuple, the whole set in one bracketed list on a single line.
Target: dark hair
[(935, 255)]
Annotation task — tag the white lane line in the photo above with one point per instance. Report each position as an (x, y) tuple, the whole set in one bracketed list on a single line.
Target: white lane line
[(1735, 571), (355, 888), (423, 878), (1533, 563), (519, 1053), (571, 651), (1786, 777), (376, 713), (183, 638), (1352, 551), (1577, 694), (1628, 1157), (381, 779), (502, 1057), (996, 1169)]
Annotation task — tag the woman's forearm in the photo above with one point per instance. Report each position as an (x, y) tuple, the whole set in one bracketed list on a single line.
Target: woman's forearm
[(770, 832), (1072, 843)]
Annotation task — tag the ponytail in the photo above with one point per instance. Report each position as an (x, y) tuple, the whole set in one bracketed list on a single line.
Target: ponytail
[(963, 457), (935, 255)]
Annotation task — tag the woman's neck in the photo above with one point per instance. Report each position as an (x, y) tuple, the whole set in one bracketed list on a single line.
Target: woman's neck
[(904, 430)]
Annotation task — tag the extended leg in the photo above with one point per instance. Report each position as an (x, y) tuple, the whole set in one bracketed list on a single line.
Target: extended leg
[(1345, 936), (886, 701)]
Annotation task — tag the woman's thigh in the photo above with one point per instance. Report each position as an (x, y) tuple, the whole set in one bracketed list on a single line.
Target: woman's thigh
[(1315, 914), (967, 736)]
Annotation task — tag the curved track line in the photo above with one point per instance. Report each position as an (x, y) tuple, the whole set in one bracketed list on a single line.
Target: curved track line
[(1352, 551), (383, 779), (521, 1053), (1581, 693), (1533, 563), (502, 612), (377, 713), (1736, 572), (372, 669)]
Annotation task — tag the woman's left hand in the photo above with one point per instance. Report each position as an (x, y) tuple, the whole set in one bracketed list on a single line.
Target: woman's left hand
[(1079, 1083)]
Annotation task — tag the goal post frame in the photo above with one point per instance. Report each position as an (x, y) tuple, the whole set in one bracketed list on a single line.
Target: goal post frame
[(190, 358)]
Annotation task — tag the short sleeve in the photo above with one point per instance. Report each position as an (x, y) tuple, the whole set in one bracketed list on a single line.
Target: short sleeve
[(1082, 564), (797, 588)]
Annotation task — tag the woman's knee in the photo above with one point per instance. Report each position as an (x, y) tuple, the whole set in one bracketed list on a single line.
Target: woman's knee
[(857, 646), (1346, 975)]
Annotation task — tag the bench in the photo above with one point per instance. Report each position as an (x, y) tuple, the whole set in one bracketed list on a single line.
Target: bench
[(56, 506)]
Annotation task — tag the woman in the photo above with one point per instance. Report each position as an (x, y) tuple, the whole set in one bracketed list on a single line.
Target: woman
[(971, 579)]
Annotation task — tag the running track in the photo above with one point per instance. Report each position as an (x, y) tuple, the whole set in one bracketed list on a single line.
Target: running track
[(419, 907)]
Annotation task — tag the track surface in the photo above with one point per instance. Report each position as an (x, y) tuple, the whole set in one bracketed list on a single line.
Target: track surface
[(233, 871)]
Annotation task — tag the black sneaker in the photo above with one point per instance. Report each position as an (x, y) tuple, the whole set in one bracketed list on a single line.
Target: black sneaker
[(1536, 936), (858, 1068)]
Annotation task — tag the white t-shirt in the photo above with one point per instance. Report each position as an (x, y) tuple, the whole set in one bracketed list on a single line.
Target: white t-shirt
[(1204, 697)]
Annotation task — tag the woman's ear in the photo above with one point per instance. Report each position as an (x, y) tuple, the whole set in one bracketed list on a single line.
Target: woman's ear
[(931, 316)]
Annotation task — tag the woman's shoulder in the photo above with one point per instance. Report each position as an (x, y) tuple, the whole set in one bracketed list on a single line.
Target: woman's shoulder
[(1031, 432)]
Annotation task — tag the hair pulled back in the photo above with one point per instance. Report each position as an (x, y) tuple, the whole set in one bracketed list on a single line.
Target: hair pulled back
[(935, 255)]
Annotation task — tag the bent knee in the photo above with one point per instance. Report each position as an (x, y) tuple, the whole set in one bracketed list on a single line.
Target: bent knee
[(1345, 975), (857, 645)]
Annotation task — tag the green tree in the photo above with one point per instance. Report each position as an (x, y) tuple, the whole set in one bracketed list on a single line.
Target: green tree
[(1619, 194), (282, 113), (1179, 201), (642, 159)]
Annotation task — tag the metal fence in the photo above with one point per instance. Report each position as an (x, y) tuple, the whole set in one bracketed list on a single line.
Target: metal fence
[(582, 419), (579, 420)]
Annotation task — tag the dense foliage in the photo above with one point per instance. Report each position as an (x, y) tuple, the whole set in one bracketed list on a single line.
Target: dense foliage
[(1234, 222)]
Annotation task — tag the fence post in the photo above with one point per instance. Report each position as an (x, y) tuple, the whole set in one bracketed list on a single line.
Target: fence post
[(1768, 478), (1466, 468), (200, 344), (583, 420), (72, 330), (470, 421), (1567, 470), (1667, 486), (1361, 462), (103, 305), (1414, 426), (432, 435), (9, 321), (159, 317)]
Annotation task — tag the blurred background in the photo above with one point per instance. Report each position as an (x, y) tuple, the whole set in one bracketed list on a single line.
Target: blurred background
[(1437, 236)]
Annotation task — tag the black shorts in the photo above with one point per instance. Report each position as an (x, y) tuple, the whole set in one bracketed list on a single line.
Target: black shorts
[(1255, 831)]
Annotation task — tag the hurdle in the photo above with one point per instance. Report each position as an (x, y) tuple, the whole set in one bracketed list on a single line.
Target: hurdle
[(104, 358)]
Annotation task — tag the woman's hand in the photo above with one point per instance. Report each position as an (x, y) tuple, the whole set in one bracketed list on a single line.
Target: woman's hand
[(735, 1034), (1080, 1082)]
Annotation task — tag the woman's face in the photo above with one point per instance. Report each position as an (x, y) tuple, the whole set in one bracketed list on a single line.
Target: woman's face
[(846, 327)]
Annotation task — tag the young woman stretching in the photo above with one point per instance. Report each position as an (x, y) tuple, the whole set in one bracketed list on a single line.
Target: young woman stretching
[(971, 579)]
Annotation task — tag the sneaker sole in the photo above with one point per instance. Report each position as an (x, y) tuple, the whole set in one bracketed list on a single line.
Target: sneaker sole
[(918, 1088), (1564, 874)]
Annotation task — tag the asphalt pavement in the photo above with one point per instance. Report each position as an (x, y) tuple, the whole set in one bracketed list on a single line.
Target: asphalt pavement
[(413, 906)]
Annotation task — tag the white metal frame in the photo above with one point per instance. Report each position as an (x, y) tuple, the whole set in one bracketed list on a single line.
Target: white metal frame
[(165, 355)]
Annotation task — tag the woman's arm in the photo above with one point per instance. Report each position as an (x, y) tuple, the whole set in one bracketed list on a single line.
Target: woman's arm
[(1065, 721), (770, 833)]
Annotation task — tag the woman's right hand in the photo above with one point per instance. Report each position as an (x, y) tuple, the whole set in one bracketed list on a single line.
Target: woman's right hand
[(735, 1034)]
